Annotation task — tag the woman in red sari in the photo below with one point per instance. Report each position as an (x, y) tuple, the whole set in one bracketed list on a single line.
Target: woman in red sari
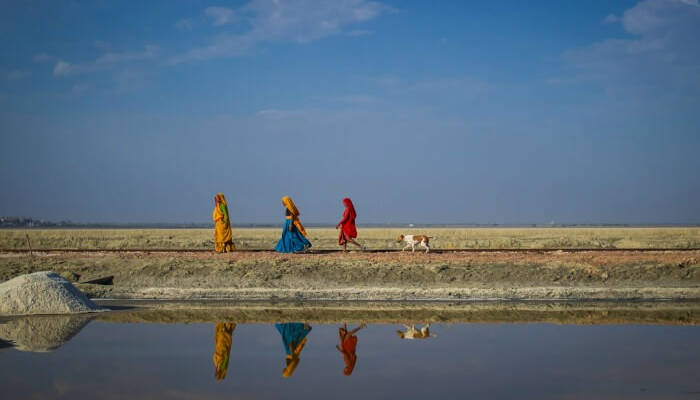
[(348, 231)]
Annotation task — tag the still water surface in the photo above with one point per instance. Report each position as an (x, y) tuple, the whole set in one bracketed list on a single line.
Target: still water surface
[(106, 360)]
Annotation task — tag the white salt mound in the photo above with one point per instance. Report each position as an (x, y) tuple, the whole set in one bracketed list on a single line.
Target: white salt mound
[(42, 293)]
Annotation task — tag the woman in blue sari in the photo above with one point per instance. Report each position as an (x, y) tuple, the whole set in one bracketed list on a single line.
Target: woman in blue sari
[(293, 234), (293, 340)]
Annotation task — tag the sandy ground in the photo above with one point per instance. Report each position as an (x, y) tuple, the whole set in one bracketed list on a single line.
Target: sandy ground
[(374, 276), (373, 238)]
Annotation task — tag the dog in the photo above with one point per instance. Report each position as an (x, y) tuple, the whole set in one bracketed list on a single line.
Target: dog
[(413, 333), (413, 240)]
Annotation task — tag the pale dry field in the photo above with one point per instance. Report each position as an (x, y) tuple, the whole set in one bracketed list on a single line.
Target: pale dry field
[(373, 238)]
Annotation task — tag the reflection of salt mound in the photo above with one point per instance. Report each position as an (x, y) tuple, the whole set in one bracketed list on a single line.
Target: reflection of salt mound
[(41, 333), (42, 293)]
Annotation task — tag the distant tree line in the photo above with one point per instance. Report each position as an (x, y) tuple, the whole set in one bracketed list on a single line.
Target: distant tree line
[(19, 222)]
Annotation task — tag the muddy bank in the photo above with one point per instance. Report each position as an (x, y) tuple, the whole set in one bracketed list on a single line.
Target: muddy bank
[(46, 333), (586, 313), (375, 276)]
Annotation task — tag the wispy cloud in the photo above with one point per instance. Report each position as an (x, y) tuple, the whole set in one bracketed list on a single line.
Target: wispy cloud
[(185, 24), (386, 80), (662, 54), (359, 32), (80, 88), (43, 57), (298, 21), (15, 74), (611, 19), (149, 52), (64, 68), (102, 45), (277, 114), (219, 15), (357, 99)]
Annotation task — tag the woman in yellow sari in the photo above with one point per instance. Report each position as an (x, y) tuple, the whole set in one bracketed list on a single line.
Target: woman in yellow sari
[(223, 238)]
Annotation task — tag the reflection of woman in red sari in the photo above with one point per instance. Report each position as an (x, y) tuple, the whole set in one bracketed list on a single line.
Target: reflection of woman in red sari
[(347, 346), (348, 231)]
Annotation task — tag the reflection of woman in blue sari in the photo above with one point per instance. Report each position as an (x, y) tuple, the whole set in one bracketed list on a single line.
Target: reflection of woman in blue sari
[(293, 234), (293, 339)]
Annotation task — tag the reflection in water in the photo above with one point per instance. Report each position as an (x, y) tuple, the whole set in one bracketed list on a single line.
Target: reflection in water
[(347, 346), (41, 333), (494, 361), (293, 339), (412, 333), (223, 335)]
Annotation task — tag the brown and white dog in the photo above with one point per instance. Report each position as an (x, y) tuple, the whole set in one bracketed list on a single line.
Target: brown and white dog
[(413, 333), (413, 240)]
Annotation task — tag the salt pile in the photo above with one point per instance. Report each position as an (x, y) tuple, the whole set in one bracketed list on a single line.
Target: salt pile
[(42, 293)]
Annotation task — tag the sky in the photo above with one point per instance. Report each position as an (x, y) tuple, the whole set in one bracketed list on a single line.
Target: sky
[(502, 112)]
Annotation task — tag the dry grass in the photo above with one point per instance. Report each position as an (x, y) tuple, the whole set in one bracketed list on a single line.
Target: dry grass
[(374, 238)]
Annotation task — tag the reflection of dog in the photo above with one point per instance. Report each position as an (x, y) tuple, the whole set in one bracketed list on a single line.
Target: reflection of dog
[(413, 333), (413, 240)]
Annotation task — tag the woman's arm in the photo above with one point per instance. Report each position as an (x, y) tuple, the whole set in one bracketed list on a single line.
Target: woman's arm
[(357, 329)]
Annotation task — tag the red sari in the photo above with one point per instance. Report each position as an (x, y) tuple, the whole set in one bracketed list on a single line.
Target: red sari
[(347, 348), (347, 224)]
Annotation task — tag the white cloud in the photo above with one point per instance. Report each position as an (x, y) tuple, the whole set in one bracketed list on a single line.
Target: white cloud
[(80, 88), (299, 21), (17, 74), (43, 57), (276, 114), (357, 99), (651, 15), (359, 32), (129, 80), (219, 15), (64, 68), (148, 52), (662, 54), (611, 19), (102, 45), (386, 80), (184, 24)]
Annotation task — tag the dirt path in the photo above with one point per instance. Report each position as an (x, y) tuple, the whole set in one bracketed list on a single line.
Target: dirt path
[(376, 276)]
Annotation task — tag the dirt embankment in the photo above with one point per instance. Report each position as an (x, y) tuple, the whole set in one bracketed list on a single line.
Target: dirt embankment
[(584, 313), (376, 276)]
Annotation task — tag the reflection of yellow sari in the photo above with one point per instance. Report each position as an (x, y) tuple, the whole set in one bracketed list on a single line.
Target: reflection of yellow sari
[(223, 238), (223, 334), (292, 208)]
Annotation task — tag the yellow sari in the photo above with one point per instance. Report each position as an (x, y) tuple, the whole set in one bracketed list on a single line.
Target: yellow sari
[(292, 208), (223, 237), (223, 335)]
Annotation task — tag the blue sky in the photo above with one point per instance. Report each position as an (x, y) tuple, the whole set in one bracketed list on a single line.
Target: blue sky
[(424, 112)]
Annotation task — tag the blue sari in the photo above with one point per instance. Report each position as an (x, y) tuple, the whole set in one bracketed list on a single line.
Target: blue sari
[(293, 333), (291, 241)]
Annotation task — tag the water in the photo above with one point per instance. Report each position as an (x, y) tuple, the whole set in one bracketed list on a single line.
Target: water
[(106, 360)]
